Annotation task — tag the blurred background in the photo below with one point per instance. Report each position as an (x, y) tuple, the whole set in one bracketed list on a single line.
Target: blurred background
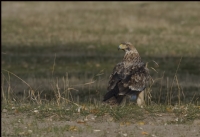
[(74, 45)]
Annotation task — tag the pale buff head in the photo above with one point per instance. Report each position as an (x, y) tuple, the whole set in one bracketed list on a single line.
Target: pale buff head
[(127, 47)]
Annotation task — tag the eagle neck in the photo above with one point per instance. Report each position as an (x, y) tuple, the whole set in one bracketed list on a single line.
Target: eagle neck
[(131, 56)]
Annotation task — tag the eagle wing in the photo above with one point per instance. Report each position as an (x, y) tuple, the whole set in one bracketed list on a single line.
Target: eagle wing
[(115, 79), (116, 76), (136, 81), (126, 81)]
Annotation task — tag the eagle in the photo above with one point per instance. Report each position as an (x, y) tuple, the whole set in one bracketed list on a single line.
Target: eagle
[(129, 78)]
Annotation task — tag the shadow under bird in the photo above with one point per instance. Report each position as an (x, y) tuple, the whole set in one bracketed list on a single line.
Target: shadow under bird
[(129, 78)]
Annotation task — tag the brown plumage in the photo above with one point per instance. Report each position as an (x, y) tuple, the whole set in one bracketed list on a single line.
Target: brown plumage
[(129, 77)]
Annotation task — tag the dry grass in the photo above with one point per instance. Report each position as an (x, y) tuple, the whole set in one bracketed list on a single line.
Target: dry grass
[(79, 38)]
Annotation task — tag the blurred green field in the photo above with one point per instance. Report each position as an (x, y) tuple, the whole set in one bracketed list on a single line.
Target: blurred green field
[(45, 41)]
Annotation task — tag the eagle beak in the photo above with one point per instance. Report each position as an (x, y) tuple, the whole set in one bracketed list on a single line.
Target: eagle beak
[(122, 46)]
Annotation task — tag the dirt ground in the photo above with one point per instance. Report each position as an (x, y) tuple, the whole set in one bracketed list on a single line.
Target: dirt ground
[(91, 126)]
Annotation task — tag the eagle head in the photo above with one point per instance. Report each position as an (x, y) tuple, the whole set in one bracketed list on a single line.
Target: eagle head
[(127, 46)]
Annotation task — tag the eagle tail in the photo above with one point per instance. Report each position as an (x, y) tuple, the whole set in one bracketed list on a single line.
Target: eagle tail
[(120, 98), (109, 95)]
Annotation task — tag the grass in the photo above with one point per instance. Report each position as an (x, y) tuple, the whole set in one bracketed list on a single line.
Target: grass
[(31, 119), (57, 58)]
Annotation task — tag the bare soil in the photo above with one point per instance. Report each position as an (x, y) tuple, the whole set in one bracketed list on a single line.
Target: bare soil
[(160, 125)]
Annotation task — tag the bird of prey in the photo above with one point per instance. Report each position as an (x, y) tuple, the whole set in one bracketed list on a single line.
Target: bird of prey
[(129, 77)]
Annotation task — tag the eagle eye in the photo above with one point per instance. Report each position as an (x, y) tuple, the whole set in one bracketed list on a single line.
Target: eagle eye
[(128, 47)]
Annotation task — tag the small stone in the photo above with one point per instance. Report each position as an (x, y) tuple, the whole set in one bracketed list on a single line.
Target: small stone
[(21, 133), (96, 130), (4, 110), (30, 131), (35, 111), (125, 134)]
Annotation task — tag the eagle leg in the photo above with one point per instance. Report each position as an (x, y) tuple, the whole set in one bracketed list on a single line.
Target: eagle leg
[(140, 99)]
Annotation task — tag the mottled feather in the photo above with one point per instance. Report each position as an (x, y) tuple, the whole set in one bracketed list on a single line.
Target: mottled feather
[(129, 77)]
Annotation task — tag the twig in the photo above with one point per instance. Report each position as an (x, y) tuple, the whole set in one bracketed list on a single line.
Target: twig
[(18, 78), (54, 63)]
